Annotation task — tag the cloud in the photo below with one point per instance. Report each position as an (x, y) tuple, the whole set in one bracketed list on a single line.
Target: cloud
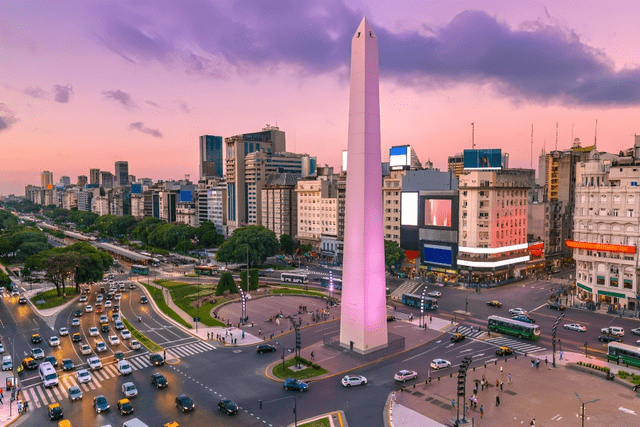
[(62, 93), (120, 96), (185, 108), (538, 62), (141, 127), (7, 118), (35, 92), (151, 103)]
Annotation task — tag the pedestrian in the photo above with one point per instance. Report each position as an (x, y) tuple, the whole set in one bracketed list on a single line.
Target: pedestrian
[(497, 400), (243, 334), (393, 396), (453, 404), (533, 363), (430, 319), (481, 411), (500, 370), (497, 383), (164, 355), (313, 355), (560, 354), (1, 403), (207, 335), (259, 331), (509, 378), (19, 407), (1, 394), (235, 340), (546, 360), (501, 383), (533, 422)]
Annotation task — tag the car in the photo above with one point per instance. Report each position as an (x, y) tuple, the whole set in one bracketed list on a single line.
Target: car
[(124, 368), (158, 380), (100, 404), (390, 318), (351, 380), (556, 306), (83, 298), (609, 338), (494, 303), (52, 360), (440, 364), (156, 359), (107, 304), (101, 346), (88, 309), (104, 319), (435, 294), (109, 296), (504, 351), (575, 327), (116, 308), (67, 364), (93, 331), (63, 332), (125, 334), (15, 293), (119, 355), (54, 341), (85, 349), (94, 363), (54, 411), (265, 348), (37, 353), (143, 300), (135, 345), (75, 322), (613, 330), (78, 313), (114, 340), (104, 328), (405, 375), (517, 312), (635, 331), (99, 309), (523, 318), (296, 385), (115, 317), (1, 349), (125, 407), (228, 407), (29, 363), (129, 389), (22, 300), (119, 325), (76, 337), (83, 376), (185, 403), (118, 297), (36, 338), (457, 337), (99, 298), (75, 393), (132, 286)]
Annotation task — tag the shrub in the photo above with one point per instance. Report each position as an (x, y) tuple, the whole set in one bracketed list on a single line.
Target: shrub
[(226, 283)]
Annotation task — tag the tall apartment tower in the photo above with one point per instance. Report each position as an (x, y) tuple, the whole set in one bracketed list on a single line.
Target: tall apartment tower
[(82, 181), (46, 179), (106, 179), (280, 204), (122, 174), (65, 180), (210, 156), (94, 176)]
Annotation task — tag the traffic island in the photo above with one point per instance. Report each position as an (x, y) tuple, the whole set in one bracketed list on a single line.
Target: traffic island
[(298, 368)]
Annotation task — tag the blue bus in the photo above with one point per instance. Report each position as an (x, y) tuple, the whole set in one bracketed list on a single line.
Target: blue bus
[(414, 301), (337, 283), (140, 269)]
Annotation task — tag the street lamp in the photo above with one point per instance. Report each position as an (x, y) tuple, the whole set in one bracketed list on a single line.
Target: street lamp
[(283, 349), (466, 304), (582, 408)]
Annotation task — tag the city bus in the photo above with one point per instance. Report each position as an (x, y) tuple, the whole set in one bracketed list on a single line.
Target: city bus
[(293, 277), (205, 270), (517, 328), (140, 269), (337, 283), (414, 301), (625, 353)]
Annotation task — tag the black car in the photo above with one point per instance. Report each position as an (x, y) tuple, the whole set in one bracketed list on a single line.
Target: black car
[(109, 296), (52, 360), (156, 359), (67, 364), (100, 404), (228, 406), (556, 306), (609, 338), (159, 380), (119, 355), (184, 403), (22, 300), (143, 300), (78, 313), (265, 348)]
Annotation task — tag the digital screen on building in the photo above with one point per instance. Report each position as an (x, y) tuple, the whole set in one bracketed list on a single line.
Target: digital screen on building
[(437, 212), (399, 157), (440, 255), (185, 195), (483, 159), (409, 209), (136, 188)]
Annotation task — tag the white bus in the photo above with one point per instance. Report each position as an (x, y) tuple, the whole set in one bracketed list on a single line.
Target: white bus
[(293, 277)]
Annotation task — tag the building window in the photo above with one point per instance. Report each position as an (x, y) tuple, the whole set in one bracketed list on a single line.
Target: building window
[(616, 212), (630, 213)]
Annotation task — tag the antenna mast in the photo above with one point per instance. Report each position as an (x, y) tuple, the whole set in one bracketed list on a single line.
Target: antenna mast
[(531, 162), (556, 136), (595, 137), (473, 136)]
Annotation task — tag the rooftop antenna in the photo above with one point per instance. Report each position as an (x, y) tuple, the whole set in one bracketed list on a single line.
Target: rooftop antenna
[(473, 138), (595, 137), (556, 136), (571, 133), (531, 162)]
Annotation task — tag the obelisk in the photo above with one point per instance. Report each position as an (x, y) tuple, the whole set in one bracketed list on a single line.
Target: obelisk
[(363, 321)]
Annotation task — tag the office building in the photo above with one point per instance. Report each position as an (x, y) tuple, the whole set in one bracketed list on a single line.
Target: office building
[(106, 179), (212, 204), (65, 181), (100, 205), (84, 197), (82, 181), (46, 179), (210, 156), (280, 204), (122, 174), (94, 176)]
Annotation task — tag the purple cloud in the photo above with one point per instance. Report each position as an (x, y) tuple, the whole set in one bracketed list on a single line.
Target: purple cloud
[(62, 93), (139, 126), (120, 96), (7, 117), (151, 103), (35, 92)]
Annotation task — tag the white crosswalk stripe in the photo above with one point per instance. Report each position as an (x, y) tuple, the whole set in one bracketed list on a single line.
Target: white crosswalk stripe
[(406, 287), (468, 331), (191, 348), (518, 346)]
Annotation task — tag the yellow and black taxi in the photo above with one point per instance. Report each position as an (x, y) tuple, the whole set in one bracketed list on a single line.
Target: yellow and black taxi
[(55, 411), (125, 407), (64, 423), (36, 338), (457, 337), (172, 424), (29, 363), (494, 303), (504, 351)]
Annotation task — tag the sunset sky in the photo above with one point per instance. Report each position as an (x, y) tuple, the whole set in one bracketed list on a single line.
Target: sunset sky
[(85, 83)]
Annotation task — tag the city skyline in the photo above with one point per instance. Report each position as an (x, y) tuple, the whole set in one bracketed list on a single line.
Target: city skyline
[(141, 82)]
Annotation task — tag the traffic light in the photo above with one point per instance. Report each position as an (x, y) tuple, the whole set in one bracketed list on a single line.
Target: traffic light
[(298, 341)]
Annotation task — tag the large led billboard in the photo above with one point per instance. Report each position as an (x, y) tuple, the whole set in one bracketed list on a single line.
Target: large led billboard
[(437, 212), (436, 254), (409, 209), (399, 157), (483, 159)]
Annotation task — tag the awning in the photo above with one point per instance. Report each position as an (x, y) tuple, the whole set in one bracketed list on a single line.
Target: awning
[(586, 288), (611, 294), (411, 254)]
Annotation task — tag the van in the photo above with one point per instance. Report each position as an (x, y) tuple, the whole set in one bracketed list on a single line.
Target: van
[(48, 374), (134, 422), (7, 363), (613, 330)]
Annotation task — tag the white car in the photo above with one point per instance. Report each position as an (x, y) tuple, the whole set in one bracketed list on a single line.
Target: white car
[(85, 349), (126, 335), (440, 364), (129, 389), (124, 367), (54, 341), (83, 376), (351, 380), (1, 349), (88, 309), (114, 340), (104, 319), (517, 312), (83, 298), (101, 346), (635, 331), (99, 298), (64, 332), (575, 327), (93, 331), (37, 353), (94, 363), (135, 345), (405, 375), (435, 294), (107, 304), (118, 297), (75, 322)]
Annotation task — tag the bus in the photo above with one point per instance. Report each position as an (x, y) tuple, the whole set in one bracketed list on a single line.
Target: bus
[(517, 328), (337, 283), (205, 270), (140, 269), (625, 353), (415, 301), (293, 277)]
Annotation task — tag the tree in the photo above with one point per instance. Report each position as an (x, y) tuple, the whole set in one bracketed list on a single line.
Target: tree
[(59, 267), (260, 241), (286, 244), (208, 236), (226, 283), (5, 281), (393, 254)]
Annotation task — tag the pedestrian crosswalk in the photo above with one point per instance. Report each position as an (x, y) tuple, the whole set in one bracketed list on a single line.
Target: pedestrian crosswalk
[(406, 287), (185, 350), (468, 331), (519, 346)]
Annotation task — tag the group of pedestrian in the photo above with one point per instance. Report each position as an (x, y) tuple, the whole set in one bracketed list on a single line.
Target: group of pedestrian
[(535, 363)]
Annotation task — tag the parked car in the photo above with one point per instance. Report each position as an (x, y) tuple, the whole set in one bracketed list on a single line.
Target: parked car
[(129, 389), (184, 403), (351, 380), (440, 364), (405, 375), (556, 306), (265, 348), (457, 337), (517, 311), (100, 404), (75, 393), (228, 407), (575, 327), (159, 380), (504, 351), (296, 385)]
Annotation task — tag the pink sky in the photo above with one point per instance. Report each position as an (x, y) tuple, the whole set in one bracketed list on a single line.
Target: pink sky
[(75, 78)]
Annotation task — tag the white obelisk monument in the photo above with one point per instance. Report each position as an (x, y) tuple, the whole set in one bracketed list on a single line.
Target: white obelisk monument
[(363, 321)]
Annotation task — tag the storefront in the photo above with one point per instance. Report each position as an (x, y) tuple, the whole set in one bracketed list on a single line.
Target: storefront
[(584, 292), (613, 298)]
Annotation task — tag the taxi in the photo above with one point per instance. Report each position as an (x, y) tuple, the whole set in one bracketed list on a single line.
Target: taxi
[(504, 351), (172, 424), (64, 423), (125, 407), (55, 411), (457, 337)]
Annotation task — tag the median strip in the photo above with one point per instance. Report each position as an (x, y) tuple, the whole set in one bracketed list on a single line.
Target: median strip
[(152, 346)]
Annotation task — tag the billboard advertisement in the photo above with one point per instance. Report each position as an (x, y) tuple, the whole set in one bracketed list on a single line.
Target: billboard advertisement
[(483, 159), (436, 254), (409, 209), (185, 195), (136, 188), (399, 157), (437, 212)]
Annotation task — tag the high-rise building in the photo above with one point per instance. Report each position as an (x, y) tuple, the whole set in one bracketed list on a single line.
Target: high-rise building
[(84, 200), (106, 179), (317, 209), (212, 204), (65, 180), (122, 174), (280, 204), (455, 164), (82, 181), (46, 179), (94, 176), (210, 156)]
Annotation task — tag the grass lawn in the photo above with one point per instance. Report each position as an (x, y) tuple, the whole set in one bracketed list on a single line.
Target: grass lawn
[(285, 372), (51, 298), (322, 422), (156, 294), (184, 294), (296, 291), (142, 338), (632, 378)]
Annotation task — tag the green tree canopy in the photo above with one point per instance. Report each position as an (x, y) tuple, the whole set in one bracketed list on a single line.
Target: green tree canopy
[(286, 244), (393, 254), (260, 241)]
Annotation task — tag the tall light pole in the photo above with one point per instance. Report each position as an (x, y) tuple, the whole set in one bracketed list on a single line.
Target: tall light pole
[(582, 414)]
